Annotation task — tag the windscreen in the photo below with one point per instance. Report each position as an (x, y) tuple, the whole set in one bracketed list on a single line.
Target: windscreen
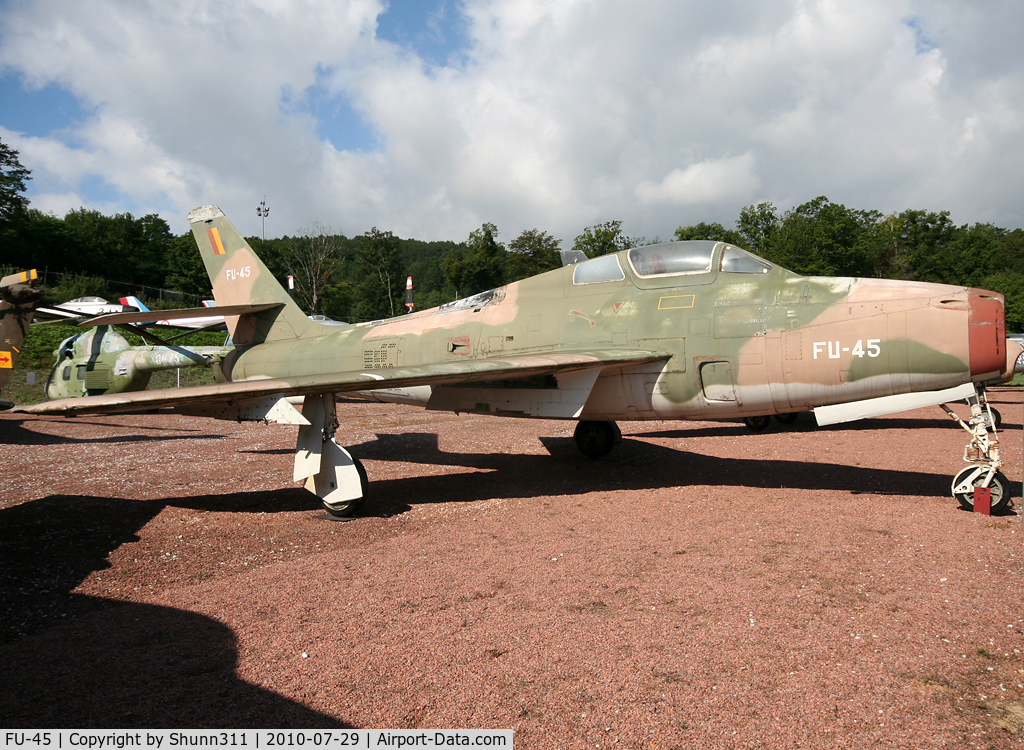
[(735, 260)]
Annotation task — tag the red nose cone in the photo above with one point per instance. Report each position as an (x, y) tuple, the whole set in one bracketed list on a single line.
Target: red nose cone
[(987, 335)]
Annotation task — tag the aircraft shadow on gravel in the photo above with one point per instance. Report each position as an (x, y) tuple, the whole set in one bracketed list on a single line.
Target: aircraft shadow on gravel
[(72, 660), (633, 465), (18, 432)]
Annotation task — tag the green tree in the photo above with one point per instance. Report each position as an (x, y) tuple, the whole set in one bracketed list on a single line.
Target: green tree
[(601, 239), (914, 245), (758, 226), (480, 266), (185, 269), (422, 260), (531, 253), (1010, 255), (975, 252), (141, 245), (12, 182), (822, 238), (32, 239), (382, 292), (91, 233), (120, 247), (715, 231), (1011, 285), (314, 259)]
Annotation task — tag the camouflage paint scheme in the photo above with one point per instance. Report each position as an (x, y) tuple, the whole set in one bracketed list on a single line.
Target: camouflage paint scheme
[(740, 344), (688, 345), (681, 330), (102, 361)]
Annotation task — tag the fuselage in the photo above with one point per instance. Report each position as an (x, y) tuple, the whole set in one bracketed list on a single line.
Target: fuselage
[(740, 337)]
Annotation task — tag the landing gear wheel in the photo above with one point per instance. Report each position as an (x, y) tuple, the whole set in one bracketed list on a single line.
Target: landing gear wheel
[(596, 439), (787, 418), (757, 424), (998, 418), (999, 487), (347, 508)]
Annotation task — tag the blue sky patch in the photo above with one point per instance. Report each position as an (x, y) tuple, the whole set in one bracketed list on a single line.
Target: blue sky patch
[(37, 113), (98, 191), (337, 120), (922, 44), (435, 31)]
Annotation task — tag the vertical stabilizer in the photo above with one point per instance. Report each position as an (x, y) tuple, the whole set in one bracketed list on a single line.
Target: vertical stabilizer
[(239, 277)]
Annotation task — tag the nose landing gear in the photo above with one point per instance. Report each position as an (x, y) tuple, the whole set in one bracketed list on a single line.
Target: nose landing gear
[(982, 452)]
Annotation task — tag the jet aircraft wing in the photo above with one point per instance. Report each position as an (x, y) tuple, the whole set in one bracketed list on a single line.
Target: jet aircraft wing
[(448, 373)]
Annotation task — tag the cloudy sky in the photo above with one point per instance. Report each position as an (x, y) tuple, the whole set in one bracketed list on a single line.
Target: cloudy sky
[(429, 117)]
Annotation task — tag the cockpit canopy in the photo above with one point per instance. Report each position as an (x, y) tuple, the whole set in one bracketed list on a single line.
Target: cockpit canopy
[(695, 256)]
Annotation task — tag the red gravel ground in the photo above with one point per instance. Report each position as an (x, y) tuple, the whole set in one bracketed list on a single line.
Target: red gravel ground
[(701, 587)]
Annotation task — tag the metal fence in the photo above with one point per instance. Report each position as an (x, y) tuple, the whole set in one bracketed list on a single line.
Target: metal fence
[(124, 289)]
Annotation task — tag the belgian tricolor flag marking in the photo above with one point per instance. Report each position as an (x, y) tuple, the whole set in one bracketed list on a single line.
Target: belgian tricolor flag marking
[(214, 235)]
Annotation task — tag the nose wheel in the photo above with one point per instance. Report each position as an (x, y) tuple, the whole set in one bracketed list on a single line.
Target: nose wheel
[(976, 476), (982, 452)]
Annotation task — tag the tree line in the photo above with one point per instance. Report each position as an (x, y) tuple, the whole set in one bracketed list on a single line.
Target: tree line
[(363, 277)]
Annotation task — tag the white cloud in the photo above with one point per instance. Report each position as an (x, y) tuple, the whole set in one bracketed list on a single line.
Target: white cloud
[(559, 115), (732, 180)]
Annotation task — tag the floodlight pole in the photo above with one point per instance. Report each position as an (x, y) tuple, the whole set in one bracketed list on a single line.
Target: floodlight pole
[(263, 210)]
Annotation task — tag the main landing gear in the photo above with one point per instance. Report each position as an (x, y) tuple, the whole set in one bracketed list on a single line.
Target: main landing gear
[(596, 439), (328, 470), (982, 452)]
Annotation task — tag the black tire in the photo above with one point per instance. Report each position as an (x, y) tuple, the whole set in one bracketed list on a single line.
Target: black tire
[(347, 508), (596, 439), (789, 418), (997, 417), (757, 424), (1000, 488)]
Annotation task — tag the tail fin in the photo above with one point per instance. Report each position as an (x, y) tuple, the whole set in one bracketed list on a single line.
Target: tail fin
[(17, 306), (239, 277), (132, 301)]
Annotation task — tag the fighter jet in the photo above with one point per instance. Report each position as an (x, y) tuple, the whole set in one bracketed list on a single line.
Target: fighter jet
[(18, 300), (208, 323), (678, 330), (79, 308)]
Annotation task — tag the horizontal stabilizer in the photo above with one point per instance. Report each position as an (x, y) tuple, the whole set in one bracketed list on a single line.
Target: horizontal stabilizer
[(877, 407), (520, 366), (116, 319)]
